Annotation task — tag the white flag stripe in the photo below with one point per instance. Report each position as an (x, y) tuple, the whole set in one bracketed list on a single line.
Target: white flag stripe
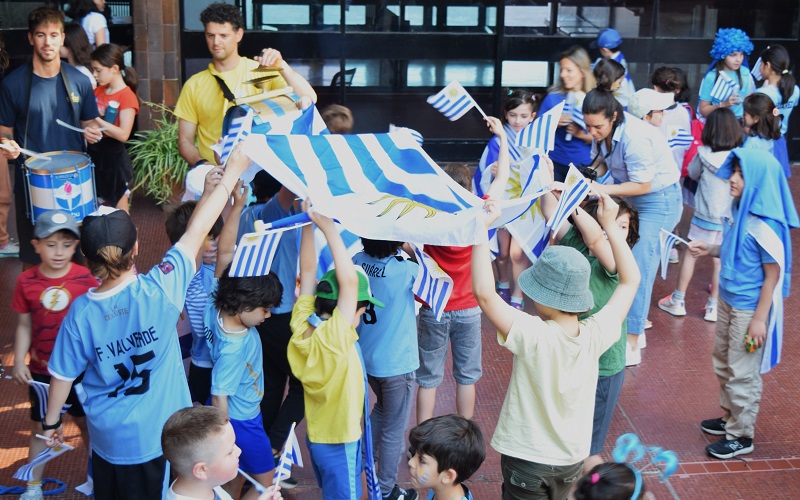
[(576, 189), (667, 240), (756, 71), (25, 473), (723, 88), (289, 456), (255, 253), (540, 134)]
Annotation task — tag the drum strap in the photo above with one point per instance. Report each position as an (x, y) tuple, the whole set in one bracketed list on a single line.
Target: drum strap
[(67, 87), (225, 90)]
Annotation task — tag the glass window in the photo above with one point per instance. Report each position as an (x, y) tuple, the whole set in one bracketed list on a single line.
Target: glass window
[(526, 74), (701, 19), (438, 73)]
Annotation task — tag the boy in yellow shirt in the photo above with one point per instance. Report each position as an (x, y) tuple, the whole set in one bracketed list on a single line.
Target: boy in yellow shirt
[(323, 354)]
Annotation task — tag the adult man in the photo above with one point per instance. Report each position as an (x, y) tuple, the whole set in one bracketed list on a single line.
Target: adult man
[(202, 104), (32, 97)]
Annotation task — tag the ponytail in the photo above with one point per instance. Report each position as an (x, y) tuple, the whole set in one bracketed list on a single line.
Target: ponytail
[(602, 101), (778, 58), (110, 55), (607, 72), (672, 80)]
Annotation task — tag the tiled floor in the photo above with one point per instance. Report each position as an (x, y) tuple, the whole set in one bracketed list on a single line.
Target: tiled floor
[(663, 400)]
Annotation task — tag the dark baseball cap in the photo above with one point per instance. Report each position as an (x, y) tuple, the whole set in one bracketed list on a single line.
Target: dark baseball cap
[(104, 229), (54, 221)]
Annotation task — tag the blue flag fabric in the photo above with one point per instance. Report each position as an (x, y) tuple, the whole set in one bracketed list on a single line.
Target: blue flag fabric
[(254, 253), (432, 286), (679, 137), (540, 135)]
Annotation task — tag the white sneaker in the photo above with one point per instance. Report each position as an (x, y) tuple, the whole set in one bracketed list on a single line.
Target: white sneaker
[(10, 250), (642, 341), (711, 313), (633, 356), (673, 256), (674, 307)]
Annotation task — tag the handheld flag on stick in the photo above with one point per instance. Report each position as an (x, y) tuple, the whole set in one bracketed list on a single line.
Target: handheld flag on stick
[(541, 133), (432, 286), (667, 241), (679, 137), (25, 473), (254, 254), (416, 135), (575, 190), (454, 101), (574, 108), (756, 71), (723, 88), (258, 486), (41, 390), (239, 130), (289, 456)]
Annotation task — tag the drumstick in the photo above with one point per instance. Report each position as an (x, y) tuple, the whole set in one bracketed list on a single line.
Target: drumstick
[(27, 152), (76, 129)]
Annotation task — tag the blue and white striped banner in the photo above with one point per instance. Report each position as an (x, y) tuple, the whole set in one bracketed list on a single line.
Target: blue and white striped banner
[(42, 390), (530, 230), (255, 253), (679, 137), (25, 473), (540, 135), (575, 190), (667, 240), (453, 101), (723, 88), (238, 131), (432, 285), (416, 135), (289, 456)]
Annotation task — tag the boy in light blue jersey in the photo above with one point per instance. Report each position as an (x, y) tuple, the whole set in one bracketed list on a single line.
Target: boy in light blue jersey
[(235, 307), (122, 335), (388, 341)]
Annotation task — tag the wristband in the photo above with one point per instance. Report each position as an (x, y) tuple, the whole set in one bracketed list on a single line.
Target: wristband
[(46, 427), (200, 162)]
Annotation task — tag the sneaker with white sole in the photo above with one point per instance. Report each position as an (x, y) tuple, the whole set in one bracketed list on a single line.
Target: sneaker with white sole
[(642, 341), (715, 426), (10, 249), (673, 256), (674, 307), (711, 313), (648, 324), (729, 448), (633, 356)]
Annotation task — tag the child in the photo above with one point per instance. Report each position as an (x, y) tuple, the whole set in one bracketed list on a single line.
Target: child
[(731, 46), (200, 445), (325, 357), (673, 81), (388, 343), (586, 236), (518, 111), (611, 480), (77, 50), (779, 85), (445, 451), (609, 73), (649, 105), (235, 307), (460, 324), (338, 119), (609, 41), (762, 127), (197, 294), (42, 297), (721, 134), (122, 336), (546, 419), (756, 256), (118, 106)]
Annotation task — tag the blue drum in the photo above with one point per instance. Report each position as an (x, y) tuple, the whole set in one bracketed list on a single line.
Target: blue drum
[(65, 182)]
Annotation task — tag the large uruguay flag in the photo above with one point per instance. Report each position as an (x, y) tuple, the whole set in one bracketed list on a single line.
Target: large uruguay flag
[(530, 230), (378, 186)]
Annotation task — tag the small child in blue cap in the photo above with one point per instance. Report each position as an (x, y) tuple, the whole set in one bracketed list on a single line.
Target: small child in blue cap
[(609, 41)]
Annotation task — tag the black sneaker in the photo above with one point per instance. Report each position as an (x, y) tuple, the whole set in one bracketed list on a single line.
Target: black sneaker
[(289, 483), (399, 493), (715, 426), (729, 448)]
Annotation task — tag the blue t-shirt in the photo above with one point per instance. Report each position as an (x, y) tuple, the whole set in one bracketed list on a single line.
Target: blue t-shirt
[(247, 221), (285, 263), (238, 370), (126, 342), (48, 102), (744, 291), (564, 152), (196, 300), (388, 336), (467, 494), (744, 90), (785, 109)]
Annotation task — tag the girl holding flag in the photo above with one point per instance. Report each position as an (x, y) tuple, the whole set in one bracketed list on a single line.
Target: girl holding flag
[(779, 85), (756, 255), (572, 142), (731, 46), (645, 173)]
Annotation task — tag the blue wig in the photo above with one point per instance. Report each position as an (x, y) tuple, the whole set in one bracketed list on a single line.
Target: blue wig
[(728, 41)]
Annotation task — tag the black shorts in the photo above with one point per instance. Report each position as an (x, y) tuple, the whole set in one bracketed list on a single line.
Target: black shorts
[(76, 410), (199, 383), (129, 482)]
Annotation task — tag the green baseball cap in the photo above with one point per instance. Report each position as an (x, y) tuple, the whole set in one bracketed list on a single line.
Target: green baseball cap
[(364, 290)]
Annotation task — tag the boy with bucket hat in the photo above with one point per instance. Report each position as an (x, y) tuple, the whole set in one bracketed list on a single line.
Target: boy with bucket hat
[(545, 426)]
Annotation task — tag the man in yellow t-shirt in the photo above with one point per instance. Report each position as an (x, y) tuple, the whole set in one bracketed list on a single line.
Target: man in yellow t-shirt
[(202, 104)]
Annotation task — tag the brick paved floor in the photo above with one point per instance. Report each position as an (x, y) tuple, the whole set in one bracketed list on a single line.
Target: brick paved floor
[(663, 400)]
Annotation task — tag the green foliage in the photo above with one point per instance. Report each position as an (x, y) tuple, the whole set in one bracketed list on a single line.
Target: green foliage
[(157, 165)]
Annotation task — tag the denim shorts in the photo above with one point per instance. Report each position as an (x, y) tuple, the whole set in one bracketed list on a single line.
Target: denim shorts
[(463, 329)]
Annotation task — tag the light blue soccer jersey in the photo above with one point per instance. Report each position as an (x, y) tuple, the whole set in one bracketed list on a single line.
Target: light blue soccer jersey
[(238, 370), (196, 299), (285, 263), (388, 335), (126, 342), (785, 108)]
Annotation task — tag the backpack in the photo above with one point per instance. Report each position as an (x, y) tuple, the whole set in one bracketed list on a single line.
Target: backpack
[(697, 134)]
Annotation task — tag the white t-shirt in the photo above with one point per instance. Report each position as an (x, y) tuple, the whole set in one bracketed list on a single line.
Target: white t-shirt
[(549, 406), (219, 493), (92, 23)]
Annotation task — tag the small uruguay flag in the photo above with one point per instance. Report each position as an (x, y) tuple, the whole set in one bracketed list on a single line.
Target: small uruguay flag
[(756, 71), (541, 133), (667, 241), (416, 135), (41, 390), (255, 252), (679, 137), (575, 190), (723, 88), (290, 456), (25, 473), (239, 130), (574, 109), (432, 286), (454, 101)]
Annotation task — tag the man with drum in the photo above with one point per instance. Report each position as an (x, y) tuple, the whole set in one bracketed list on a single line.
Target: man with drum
[(201, 109), (32, 98)]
